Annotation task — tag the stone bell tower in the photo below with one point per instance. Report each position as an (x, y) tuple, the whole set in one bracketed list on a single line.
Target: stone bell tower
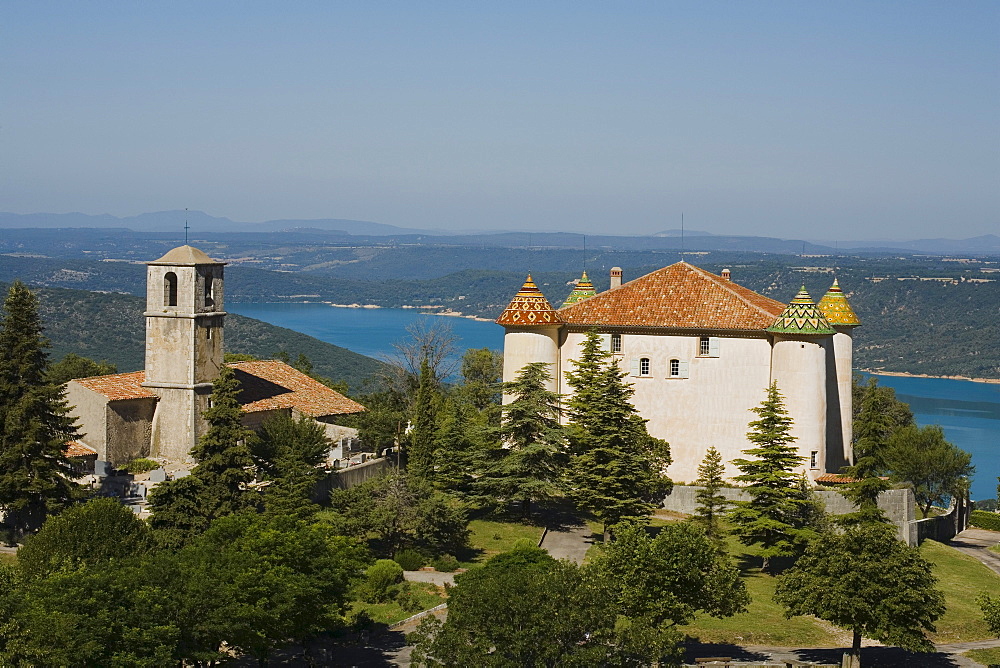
[(184, 323)]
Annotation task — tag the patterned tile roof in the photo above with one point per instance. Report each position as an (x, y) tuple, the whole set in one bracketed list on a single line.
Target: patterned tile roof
[(801, 316), (528, 308), (584, 288), (119, 386), (267, 385), (78, 449), (680, 296), (836, 308)]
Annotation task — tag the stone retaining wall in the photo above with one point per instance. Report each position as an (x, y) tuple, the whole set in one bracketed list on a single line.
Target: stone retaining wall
[(351, 476)]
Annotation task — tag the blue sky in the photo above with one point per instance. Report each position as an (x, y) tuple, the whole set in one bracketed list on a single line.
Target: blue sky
[(823, 120)]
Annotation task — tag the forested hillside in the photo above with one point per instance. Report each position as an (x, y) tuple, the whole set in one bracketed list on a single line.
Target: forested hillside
[(921, 314), (111, 327)]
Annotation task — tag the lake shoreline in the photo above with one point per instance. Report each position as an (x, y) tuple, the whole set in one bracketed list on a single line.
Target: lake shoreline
[(903, 374)]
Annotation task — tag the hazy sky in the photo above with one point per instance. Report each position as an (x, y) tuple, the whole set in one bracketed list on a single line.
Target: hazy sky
[(829, 120)]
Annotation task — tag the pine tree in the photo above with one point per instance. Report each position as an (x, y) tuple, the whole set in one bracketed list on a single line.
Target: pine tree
[(218, 484), (35, 475), (772, 518), (420, 460), (526, 466), (873, 425), (711, 504), (616, 468), (287, 454)]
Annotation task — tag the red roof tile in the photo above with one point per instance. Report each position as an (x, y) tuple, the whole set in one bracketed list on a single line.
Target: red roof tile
[(119, 386), (270, 385), (267, 385), (78, 449), (680, 296)]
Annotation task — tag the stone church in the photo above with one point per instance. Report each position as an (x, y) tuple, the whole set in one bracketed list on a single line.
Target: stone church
[(700, 351), (157, 412)]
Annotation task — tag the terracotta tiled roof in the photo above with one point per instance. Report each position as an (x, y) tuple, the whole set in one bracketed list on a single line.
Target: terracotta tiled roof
[(270, 385), (836, 308), (267, 385), (78, 449), (679, 296), (584, 289), (834, 479), (529, 308), (801, 316), (119, 386)]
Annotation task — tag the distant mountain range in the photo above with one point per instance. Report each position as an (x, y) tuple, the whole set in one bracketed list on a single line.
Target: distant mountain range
[(171, 224)]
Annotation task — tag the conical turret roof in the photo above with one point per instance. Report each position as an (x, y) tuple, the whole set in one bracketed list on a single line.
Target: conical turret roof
[(801, 316), (529, 307), (584, 288), (836, 308)]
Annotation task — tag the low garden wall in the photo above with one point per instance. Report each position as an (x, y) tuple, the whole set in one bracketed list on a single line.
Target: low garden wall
[(350, 476)]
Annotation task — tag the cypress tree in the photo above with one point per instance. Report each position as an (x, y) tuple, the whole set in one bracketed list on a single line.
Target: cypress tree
[(873, 425), (420, 461), (773, 516), (616, 468), (35, 474), (217, 486)]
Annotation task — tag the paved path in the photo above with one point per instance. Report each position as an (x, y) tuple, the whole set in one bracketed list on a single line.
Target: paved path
[(434, 577), (568, 542), (947, 656), (975, 543)]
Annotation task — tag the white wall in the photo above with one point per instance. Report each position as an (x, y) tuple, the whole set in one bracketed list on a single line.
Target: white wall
[(799, 369), (525, 345)]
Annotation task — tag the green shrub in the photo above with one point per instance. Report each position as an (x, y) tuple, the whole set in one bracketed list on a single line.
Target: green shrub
[(985, 520), (360, 620), (379, 579), (141, 465), (445, 563), (410, 560)]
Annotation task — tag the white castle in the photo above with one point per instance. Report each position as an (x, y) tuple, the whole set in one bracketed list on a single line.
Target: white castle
[(701, 351)]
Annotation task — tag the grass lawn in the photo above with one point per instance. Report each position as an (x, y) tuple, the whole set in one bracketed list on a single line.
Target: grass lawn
[(989, 657), (961, 578), (8, 558), (488, 538), (425, 596), (995, 548)]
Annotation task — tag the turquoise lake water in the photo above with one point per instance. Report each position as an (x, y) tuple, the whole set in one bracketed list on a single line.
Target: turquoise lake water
[(968, 412)]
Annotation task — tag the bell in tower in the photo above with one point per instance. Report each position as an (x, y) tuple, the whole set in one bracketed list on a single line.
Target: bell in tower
[(184, 325)]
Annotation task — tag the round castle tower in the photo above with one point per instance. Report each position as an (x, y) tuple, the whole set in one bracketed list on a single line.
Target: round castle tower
[(531, 333), (840, 428), (802, 338)]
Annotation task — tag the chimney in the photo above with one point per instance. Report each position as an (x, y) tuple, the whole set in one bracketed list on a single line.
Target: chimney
[(725, 275), (616, 277)]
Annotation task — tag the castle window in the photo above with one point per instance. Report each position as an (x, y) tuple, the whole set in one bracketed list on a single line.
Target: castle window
[(616, 343), (170, 289), (644, 366), (679, 369), (814, 460), (708, 346)]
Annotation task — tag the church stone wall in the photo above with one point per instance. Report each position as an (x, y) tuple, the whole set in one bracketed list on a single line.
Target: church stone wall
[(128, 427), (89, 408), (708, 408)]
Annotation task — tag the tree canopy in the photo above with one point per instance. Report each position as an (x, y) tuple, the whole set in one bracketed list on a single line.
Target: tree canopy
[(934, 467), (866, 581)]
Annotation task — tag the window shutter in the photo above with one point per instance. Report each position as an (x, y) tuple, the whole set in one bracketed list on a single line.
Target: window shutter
[(635, 367), (605, 342), (713, 346), (683, 369)]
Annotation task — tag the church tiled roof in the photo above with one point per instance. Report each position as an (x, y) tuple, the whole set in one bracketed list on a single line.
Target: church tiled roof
[(584, 289), (119, 386), (529, 308), (680, 296), (185, 256), (270, 384), (836, 308), (78, 449), (266, 385), (801, 316)]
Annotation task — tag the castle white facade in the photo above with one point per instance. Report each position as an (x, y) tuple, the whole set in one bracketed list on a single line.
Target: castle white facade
[(701, 351)]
